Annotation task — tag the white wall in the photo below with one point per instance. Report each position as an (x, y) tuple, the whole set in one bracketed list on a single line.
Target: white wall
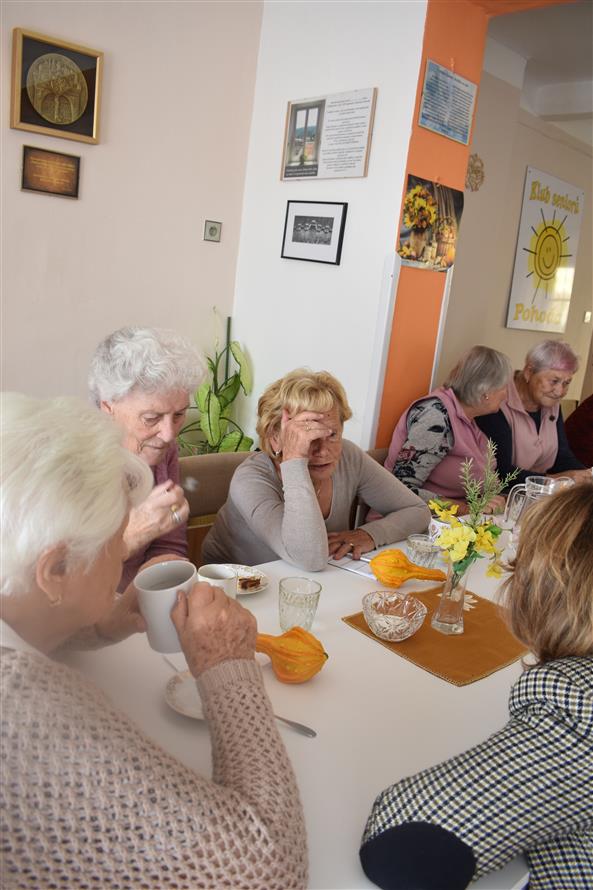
[(290, 313), (176, 111), (508, 139)]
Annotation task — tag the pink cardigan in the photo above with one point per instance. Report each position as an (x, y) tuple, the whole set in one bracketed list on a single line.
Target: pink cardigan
[(468, 442), (533, 450)]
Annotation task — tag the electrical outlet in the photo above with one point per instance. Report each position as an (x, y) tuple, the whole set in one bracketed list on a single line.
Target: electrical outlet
[(587, 316)]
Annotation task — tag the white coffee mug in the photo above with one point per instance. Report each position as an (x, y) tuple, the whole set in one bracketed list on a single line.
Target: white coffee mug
[(220, 575), (157, 588)]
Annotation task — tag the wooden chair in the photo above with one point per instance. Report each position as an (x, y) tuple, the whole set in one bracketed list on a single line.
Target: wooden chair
[(206, 495)]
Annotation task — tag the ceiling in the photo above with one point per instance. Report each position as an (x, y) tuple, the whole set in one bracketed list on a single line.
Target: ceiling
[(557, 44)]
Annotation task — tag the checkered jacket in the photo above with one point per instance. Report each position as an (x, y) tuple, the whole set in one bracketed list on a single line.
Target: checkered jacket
[(528, 788)]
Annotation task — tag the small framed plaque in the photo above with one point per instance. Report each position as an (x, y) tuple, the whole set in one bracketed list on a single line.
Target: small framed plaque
[(314, 231), (56, 87), (50, 172)]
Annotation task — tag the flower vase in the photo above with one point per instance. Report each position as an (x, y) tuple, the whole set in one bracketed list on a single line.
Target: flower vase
[(418, 240), (448, 618)]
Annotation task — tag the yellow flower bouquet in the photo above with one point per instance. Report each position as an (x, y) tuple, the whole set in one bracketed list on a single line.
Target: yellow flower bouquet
[(420, 209), (466, 541)]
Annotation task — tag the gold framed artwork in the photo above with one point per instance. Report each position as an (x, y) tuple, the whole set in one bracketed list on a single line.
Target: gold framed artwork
[(56, 87)]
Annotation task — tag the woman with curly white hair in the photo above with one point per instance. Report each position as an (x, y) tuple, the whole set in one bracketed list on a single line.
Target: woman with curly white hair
[(143, 378), (86, 798)]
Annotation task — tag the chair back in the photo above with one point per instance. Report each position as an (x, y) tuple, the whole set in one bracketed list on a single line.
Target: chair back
[(212, 474), (378, 454)]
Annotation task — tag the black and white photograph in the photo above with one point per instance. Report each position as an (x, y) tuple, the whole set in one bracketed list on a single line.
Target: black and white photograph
[(314, 231)]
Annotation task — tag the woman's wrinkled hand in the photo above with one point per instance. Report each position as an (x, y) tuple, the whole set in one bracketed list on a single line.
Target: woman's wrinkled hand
[(212, 628), (298, 432), (124, 619), (577, 476), (154, 516), (349, 543)]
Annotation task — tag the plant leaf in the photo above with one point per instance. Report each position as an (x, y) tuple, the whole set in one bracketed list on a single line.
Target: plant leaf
[(210, 419), (235, 441), (201, 396), (228, 393), (245, 376)]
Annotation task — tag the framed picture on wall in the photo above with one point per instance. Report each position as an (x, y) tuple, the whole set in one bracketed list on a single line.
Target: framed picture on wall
[(314, 231), (56, 87), (50, 172)]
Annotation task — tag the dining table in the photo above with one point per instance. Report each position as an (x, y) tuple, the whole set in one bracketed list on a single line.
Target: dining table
[(378, 717)]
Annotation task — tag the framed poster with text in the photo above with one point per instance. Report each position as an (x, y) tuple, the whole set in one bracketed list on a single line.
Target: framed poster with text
[(547, 246), (329, 137)]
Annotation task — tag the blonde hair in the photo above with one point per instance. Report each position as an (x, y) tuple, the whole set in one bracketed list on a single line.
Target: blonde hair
[(66, 479), (549, 597), (301, 390)]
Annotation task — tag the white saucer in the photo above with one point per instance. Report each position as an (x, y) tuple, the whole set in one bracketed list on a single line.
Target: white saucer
[(248, 572), (181, 694)]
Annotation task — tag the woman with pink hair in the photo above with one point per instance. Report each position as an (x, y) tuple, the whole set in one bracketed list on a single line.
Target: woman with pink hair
[(528, 430)]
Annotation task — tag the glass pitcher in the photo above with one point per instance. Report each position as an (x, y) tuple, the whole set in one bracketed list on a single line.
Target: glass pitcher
[(523, 496)]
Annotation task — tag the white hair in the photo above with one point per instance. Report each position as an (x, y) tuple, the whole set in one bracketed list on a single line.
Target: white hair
[(554, 354), (146, 359), (66, 479), (479, 371)]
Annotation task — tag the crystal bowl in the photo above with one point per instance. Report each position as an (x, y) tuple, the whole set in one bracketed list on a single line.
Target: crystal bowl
[(392, 615)]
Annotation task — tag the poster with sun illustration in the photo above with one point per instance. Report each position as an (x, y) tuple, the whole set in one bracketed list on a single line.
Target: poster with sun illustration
[(546, 252)]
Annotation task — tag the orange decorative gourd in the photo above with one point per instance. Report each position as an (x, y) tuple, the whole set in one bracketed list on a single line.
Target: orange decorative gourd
[(392, 568), (296, 655)]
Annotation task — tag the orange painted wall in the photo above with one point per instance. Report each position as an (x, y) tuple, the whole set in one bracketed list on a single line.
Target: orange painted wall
[(455, 37)]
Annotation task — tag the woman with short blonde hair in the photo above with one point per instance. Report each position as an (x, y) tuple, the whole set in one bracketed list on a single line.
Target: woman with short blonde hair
[(293, 501), (528, 788)]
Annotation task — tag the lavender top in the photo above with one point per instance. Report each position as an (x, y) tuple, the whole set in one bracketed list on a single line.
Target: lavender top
[(174, 541)]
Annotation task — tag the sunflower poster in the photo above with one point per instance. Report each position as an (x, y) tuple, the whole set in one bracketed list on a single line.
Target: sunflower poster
[(430, 222), (546, 250)]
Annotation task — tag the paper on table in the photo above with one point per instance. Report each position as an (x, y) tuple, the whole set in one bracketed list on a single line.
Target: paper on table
[(361, 566)]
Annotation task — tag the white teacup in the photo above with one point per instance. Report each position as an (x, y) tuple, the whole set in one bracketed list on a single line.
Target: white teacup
[(220, 575), (157, 588)]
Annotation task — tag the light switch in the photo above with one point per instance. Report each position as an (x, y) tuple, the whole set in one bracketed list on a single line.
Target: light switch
[(587, 316)]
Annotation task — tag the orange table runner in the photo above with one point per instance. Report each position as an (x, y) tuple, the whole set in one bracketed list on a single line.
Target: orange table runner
[(485, 646)]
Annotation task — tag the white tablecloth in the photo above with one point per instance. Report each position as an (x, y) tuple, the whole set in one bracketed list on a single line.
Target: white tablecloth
[(378, 718)]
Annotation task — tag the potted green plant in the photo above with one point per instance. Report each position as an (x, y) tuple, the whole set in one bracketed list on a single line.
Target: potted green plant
[(215, 427)]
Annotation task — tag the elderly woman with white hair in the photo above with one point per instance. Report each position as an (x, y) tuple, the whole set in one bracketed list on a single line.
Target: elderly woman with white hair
[(437, 433), (87, 799), (143, 378), (529, 429)]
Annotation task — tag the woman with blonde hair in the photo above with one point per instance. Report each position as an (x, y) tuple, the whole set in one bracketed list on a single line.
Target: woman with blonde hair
[(293, 500), (529, 787), (87, 799)]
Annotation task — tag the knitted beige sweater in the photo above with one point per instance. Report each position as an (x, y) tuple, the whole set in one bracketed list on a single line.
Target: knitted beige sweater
[(88, 801)]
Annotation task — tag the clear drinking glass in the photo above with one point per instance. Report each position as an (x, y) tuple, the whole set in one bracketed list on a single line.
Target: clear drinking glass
[(422, 551), (298, 599)]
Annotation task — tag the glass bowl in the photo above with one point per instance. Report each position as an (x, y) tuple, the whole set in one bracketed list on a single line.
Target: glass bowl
[(392, 615)]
